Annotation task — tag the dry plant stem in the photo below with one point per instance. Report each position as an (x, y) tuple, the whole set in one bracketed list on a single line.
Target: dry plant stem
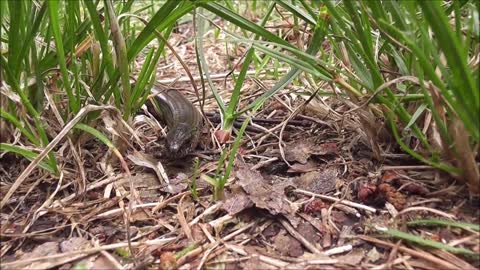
[(50, 146), (183, 222), (284, 124), (421, 254), (433, 200), (466, 156), (298, 236), (82, 182), (212, 209), (40, 211), (229, 260), (475, 235), (345, 192), (389, 265), (383, 87), (326, 222), (453, 259), (338, 250), (420, 208), (85, 252), (277, 262), (265, 259), (214, 77), (206, 254), (90, 187), (113, 212), (164, 203), (30, 189), (205, 231), (412, 167), (329, 198), (197, 251)]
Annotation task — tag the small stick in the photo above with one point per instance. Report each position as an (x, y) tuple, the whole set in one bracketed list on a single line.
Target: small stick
[(329, 198), (298, 236)]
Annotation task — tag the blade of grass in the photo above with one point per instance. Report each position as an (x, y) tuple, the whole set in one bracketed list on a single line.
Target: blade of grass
[(12, 119), (122, 61), (243, 23), (466, 90), (305, 16), (435, 222), (30, 155), (54, 9), (427, 242)]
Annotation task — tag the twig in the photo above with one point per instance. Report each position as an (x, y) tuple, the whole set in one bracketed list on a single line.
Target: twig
[(329, 198), (290, 117), (154, 242), (421, 208), (443, 264), (208, 211), (299, 237), (338, 250)]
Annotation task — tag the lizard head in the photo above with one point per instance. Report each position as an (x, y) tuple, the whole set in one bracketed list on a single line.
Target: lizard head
[(180, 140)]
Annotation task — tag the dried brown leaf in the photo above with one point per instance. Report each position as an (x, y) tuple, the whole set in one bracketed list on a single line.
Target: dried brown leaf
[(303, 168), (298, 151), (287, 245), (263, 195), (320, 182)]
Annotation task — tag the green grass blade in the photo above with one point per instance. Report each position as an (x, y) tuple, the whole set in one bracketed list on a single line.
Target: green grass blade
[(297, 11), (97, 134), (435, 222), (122, 61), (54, 9), (14, 34), (12, 119), (158, 19), (30, 36), (464, 86), (243, 23), (427, 242), (30, 155), (100, 35)]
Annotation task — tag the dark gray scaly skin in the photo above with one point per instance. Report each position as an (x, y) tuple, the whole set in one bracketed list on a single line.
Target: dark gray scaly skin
[(183, 120)]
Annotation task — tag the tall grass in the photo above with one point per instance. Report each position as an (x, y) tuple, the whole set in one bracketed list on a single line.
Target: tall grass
[(400, 61)]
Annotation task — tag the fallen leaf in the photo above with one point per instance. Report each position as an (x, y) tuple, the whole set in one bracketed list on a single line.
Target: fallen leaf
[(393, 196), (287, 245), (298, 151), (74, 244), (262, 194), (324, 149), (352, 258), (373, 255), (303, 168), (320, 182), (236, 202), (308, 232)]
